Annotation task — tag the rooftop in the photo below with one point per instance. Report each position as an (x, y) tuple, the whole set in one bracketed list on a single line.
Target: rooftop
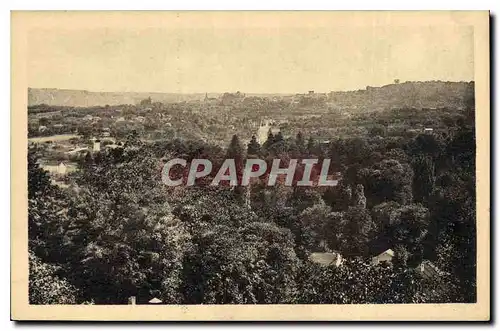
[(324, 259)]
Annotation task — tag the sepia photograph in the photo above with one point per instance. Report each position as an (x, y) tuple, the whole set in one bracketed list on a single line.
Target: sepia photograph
[(250, 165)]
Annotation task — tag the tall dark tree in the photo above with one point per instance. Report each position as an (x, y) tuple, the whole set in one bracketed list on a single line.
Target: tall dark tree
[(87, 162), (339, 197), (427, 144), (38, 179), (300, 142), (358, 230), (279, 137), (270, 140), (311, 146), (253, 147), (424, 178), (234, 150)]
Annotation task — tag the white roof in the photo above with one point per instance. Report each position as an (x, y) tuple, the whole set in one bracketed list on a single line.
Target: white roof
[(155, 300), (113, 146), (389, 252), (76, 150), (324, 258)]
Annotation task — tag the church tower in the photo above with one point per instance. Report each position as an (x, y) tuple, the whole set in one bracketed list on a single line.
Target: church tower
[(263, 131)]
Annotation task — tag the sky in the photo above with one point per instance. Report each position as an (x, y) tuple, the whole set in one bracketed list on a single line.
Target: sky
[(248, 59)]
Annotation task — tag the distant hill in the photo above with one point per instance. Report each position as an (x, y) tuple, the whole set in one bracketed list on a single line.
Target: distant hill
[(433, 94), (82, 98)]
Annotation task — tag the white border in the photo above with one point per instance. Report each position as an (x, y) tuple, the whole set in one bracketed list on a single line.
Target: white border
[(187, 5)]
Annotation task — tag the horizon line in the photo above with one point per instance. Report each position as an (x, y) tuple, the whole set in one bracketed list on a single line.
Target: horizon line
[(232, 91)]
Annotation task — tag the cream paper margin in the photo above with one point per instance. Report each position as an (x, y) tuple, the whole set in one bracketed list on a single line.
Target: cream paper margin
[(23, 21)]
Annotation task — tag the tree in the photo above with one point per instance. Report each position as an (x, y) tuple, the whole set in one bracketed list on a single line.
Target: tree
[(43, 121), (401, 256), (279, 137), (132, 139), (385, 213), (304, 197), (387, 180), (300, 142), (424, 178), (38, 179), (453, 228), (357, 151), (461, 151), (234, 150), (121, 238), (87, 162), (46, 213), (332, 231), (46, 287), (311, 146), (356, 281), (409, 228), (339, 197), (358, 230), (427, 144), (253, 264), (377, 130), (397, 154), (85, 131), (359, 199), (313, 221), (145, 248), (120, 232), (253, 147), (270, 140)]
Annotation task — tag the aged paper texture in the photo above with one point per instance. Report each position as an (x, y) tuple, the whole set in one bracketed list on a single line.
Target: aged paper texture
[(395, 104)]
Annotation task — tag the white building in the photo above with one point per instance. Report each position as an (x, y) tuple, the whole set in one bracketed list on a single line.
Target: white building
[(385, 256), (263, 131), (326, 259), (62, 168), (59, 169), (105, 132), (96, 145), (428, 270), (77, 151)]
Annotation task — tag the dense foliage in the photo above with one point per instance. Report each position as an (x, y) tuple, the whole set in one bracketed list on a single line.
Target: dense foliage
[(117, 231)]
